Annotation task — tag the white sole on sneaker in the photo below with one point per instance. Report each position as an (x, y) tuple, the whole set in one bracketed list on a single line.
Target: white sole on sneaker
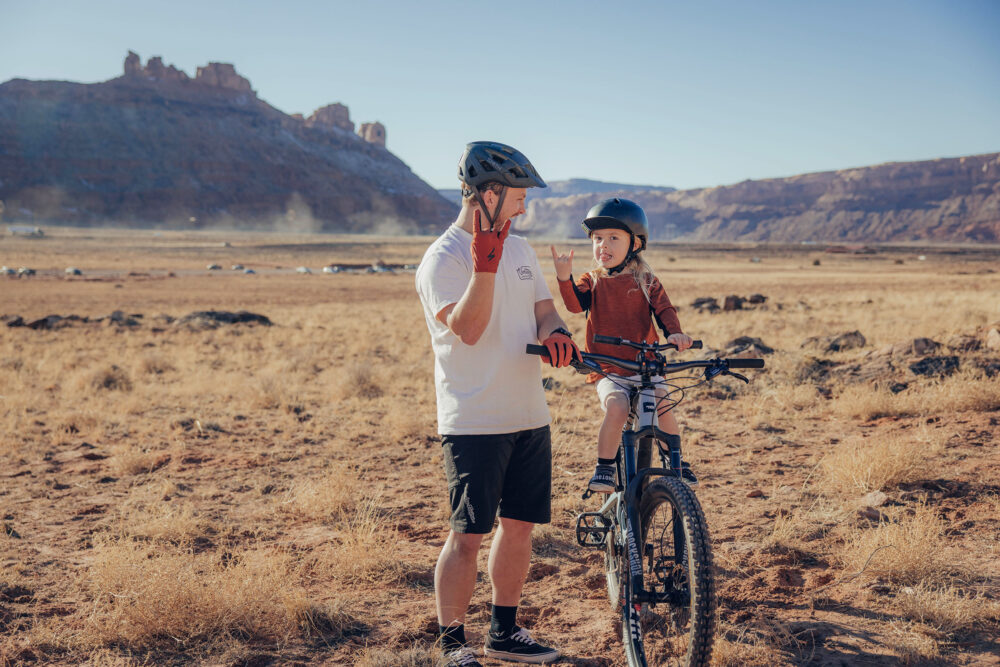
[(539, 659)]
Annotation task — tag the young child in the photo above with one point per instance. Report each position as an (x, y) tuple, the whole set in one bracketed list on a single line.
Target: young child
[(622, 298)]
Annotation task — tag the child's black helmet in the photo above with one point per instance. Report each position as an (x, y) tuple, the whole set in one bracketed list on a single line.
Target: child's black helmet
[(621, 214), (485, 161)]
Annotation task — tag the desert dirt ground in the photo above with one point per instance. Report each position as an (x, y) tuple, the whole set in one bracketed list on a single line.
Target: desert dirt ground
[(244, 494)]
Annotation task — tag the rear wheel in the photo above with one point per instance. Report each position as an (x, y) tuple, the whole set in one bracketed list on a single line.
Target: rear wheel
[(677, 565)]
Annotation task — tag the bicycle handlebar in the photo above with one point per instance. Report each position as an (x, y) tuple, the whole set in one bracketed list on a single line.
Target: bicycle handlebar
[(656, 366), (615, 340)]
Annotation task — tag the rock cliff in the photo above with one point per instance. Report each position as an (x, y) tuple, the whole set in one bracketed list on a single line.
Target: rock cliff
[(954, 200), (157, 147)]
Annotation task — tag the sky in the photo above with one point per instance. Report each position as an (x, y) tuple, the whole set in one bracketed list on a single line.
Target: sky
[(682, 94)]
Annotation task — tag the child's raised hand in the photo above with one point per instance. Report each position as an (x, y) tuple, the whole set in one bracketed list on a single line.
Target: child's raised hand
[(682, 341), (563, 264)]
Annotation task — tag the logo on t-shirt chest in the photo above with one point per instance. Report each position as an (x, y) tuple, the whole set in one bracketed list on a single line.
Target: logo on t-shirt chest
[(524, 273)]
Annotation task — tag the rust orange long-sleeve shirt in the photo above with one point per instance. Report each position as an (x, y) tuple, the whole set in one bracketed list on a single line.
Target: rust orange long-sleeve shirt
[(616, 306)]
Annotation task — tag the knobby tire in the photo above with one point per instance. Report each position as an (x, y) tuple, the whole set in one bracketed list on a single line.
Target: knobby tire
[(663, 501)]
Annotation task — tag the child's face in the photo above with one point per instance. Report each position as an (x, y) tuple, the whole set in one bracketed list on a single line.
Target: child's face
[(611, 246)]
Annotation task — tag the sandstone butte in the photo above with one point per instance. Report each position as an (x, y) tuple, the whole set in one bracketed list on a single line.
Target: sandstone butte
[(949, 200), (155, 147)]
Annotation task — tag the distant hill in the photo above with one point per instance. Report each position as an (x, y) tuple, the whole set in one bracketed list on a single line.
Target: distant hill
[(954, 200), (157, 147)]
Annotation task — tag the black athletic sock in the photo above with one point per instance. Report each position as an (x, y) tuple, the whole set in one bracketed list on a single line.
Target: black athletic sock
[(452, 636), (605, 462), (503, 621)]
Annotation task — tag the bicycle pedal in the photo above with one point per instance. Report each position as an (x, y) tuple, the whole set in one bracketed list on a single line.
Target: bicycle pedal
[(591, 529)]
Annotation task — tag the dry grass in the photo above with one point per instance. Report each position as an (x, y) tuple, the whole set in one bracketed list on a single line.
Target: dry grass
[(965, 391), (946, 608), (365, 551), (418, 656), (144, 595), (909, 549), (880, 462), (330, 498), (914, 644)]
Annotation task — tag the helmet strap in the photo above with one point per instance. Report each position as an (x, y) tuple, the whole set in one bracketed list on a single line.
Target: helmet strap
[(632, 254), (496, 212)]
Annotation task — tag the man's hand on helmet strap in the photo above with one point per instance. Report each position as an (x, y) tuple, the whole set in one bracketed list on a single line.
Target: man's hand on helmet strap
[(561, 347), (487, 246)]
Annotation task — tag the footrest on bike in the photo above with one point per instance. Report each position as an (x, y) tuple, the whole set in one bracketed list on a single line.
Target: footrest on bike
[(591, 529)]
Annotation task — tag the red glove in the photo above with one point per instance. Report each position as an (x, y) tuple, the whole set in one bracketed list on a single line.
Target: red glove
[(487, 246), (562, 349)]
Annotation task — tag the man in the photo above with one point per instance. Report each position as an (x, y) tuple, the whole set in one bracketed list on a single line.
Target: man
[(484, 298)]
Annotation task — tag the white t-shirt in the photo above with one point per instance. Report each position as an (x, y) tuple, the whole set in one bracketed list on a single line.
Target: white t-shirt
[(493, 386)]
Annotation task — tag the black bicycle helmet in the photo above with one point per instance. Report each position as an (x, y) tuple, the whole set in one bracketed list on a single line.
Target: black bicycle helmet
[(489, 161), (618, 213), (485, 161)]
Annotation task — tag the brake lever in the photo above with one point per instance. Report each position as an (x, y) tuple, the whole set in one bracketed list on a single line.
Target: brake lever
[(738, 376), (583, 368)]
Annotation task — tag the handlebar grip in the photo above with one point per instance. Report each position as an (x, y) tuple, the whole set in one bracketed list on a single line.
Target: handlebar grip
[(540, 350), (609, 340), (696, 345), (745, 363)]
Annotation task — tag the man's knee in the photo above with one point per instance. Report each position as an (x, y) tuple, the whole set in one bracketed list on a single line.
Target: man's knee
[(464, 546), (516, 529)]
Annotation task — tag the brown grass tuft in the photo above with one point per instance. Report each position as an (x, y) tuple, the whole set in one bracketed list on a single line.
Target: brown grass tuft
[(906, 550), (359, 380), (326, 499), (946, 608), (143, 596), (111, 378), (871, 464)]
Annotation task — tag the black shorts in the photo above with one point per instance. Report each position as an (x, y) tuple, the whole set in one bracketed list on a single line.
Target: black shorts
[(511, 472)]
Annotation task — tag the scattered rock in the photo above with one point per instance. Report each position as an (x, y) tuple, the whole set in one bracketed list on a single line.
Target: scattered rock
[(846, 341), (993, 339), (733, 302), (757, 299), (963, 343), (211, 319), (746, 347), (935, 366), (13, 320), (875, 499), (73, 271), (756, 493), (705, 303)]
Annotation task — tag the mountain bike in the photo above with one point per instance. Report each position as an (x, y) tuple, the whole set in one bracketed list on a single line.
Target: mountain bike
[(652, 529)]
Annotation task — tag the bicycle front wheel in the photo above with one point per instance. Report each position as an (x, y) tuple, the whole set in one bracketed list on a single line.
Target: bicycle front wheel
[(677, 568)]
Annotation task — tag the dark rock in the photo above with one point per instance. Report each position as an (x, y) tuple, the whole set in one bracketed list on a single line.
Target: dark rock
[(733, 302), (13, 320), (963, 343), (210, 319), (847, 341), (757, 298), (747, 344), (47, 322), (935, 366), (705, 303)]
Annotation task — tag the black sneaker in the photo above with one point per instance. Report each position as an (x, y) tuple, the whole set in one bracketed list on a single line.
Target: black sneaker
[(519, 647), (461, 657), (603, 480), (687, 475)]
